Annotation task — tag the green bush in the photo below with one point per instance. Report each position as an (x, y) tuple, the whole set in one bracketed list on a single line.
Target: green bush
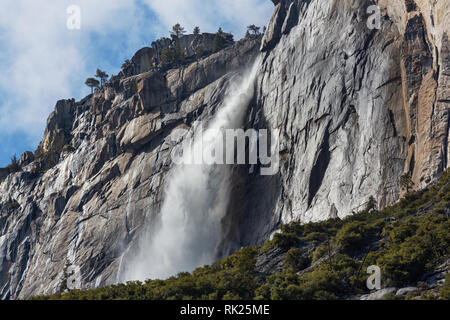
[(172, 55), (351, 235), (285, 240), (414, 242), (296, 259), (14, 166), (320, 252)]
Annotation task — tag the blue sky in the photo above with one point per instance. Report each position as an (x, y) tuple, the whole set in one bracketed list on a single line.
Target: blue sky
[(41, 61)]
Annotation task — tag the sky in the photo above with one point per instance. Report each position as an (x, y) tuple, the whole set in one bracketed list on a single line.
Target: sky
[(43, 61)]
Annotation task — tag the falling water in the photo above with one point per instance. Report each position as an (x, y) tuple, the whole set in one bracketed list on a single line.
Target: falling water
[(196, 199)]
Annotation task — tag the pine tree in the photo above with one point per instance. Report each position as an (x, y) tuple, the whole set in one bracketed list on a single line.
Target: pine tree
[(102, 75), (196, 31), (177, 31), (171, 55), (253, 31), (219, 41), (14, 166), (92, 83)]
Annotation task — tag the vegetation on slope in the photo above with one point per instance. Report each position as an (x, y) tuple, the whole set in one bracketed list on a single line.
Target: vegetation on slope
[(326, 260)]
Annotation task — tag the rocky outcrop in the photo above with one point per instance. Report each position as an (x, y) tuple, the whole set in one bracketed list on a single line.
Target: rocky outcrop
[(356, 108), (150, 57), (99, 173), (378, 295), (26, 158)]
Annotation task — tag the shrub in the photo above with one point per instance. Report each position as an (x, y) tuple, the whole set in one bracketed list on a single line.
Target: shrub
[(414, 244), (172, 55), (14, 166), (220, 40), (351, 235), (320, 252), (296, 260), (285, 240)]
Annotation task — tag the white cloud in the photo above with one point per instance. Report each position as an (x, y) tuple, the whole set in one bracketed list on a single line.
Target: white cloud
[(232, 15), (43, 61)]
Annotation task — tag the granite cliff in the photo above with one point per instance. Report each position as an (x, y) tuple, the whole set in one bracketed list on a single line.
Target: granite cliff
[(357, 108)]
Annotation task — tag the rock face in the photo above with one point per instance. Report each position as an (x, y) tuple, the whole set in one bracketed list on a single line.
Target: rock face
[(356, 109), (146, 58), (378, 295), (99, 173)]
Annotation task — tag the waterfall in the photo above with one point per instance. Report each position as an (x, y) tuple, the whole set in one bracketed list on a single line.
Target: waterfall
[(188, 232)]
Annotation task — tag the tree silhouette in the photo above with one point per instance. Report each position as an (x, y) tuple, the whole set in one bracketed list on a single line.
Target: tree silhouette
[(254, 30), (177, 31), (102, 75), (371, 204), (196, 31), (219, 40), (14, 166), (126, 64), (92, 83)]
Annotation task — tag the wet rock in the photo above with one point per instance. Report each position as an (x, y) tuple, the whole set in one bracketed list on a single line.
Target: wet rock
[(378, 295), (406, 291), (87, 206), (356, 109)]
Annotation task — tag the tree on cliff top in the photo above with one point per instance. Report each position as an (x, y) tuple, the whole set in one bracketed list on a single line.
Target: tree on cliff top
[(172, 55), (126, 64), (196, 31), (92, 83), (14, 166), (102, 75), (254, 30), (219, 40), (177, 31)]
